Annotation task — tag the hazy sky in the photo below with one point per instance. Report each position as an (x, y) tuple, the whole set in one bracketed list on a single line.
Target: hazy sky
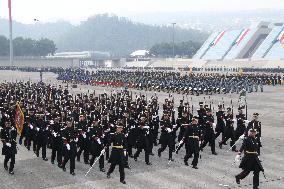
[(76, 10)]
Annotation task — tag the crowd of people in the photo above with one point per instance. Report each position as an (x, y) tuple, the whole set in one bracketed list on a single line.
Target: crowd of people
[(118, 126), (174, 82)]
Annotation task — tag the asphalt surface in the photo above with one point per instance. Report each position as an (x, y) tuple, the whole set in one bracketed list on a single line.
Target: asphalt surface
[(214, 171)]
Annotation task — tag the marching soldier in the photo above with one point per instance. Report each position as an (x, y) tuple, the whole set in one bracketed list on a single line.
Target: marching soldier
[(191, 138), (229, 130), (167, 137), (83, 140), (9, 150), (250, 161), (182, 124), (220, 126), (241, 127), (143, 142), (69, 147), (256, 124), (209, 135), (97, 144), (42, 136), (57, 142), (118, 153)]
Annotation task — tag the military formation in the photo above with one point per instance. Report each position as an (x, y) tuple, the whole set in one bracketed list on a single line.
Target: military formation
[(115, 127), (173, 82)]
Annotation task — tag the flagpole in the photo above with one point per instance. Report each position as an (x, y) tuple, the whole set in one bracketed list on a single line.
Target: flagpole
[(11, 31)]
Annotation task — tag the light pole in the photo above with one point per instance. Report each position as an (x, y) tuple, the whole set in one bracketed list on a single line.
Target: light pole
[(173, 39)]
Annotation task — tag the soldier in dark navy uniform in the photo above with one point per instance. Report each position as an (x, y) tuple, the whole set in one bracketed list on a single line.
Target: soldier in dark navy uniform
[(256, 124), (220, 126), (57, 142), (42, 136), (241, 127), (229, 130), (118, 153), (208, 133), (167, 137), (250, 161), (191, 138), (143, 142), (9, 150), (69, 148), (97, 144), (83, 140)]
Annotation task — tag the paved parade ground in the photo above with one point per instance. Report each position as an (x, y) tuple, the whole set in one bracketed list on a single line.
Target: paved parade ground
[(34, 173)]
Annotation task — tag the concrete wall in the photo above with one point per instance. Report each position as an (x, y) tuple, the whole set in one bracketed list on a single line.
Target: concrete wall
[(41, 62)]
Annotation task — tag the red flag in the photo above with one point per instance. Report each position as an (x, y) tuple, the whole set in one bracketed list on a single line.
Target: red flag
[(10, 10), (19, 119)]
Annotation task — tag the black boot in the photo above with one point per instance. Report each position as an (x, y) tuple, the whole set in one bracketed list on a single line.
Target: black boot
[(237, 180)]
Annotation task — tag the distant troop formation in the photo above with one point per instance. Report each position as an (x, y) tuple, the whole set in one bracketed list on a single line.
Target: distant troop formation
[(174, 82), (117, 126)]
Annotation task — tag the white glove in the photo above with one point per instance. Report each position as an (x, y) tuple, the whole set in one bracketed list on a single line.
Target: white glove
[(37, 129), (124, 152), (31, 126), (169, 130), (238, 158), (214, 124), (8, 144), (174, 126), (103, 151), (76, 140), (68, 146), (242, 137), (99, 141), (126, 135), (55, 134), (84, 135), (46, 128), (132, 127)]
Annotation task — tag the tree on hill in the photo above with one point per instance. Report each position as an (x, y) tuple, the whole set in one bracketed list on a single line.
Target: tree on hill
[(27, 47), (183, 49)]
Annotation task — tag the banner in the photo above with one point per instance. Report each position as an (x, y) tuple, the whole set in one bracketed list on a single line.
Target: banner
[(242, 36), (19, 119), (218, 38)]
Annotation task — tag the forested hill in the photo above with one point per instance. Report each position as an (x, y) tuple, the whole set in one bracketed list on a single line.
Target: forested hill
[(119, 36)]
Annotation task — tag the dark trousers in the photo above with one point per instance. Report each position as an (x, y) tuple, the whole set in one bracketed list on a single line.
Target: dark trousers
[(139, 150), (34, 145), (211, 142), (28, 143), (129, 149), (43, 146), (217, 134), (121, 170), (58, 154), (85, 154), (171, 149), (245, 173), (195, 157), (12, 162), (107, 152), (71, 157), (101, 161)]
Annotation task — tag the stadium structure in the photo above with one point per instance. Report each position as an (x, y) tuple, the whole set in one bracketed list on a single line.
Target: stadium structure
[(261, 41)]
